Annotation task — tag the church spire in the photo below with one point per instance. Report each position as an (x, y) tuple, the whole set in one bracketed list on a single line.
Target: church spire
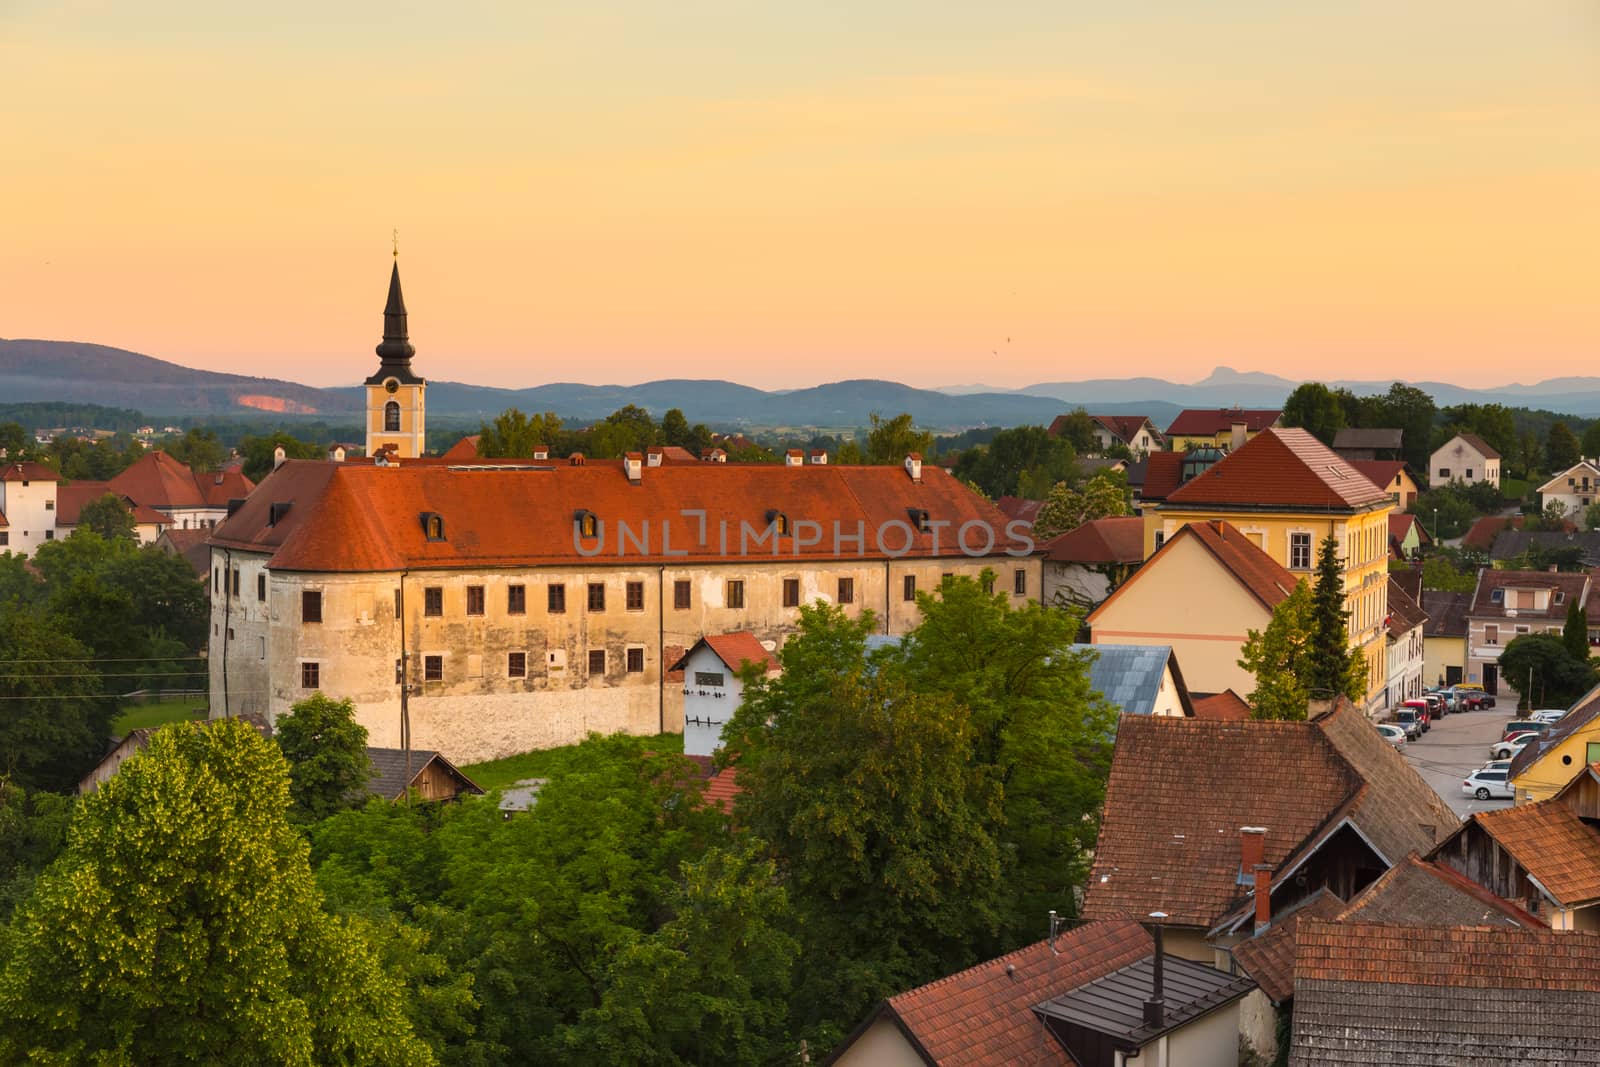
[(396, 350)]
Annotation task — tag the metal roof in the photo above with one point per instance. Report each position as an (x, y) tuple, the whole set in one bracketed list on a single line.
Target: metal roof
[(1114, 1005), (1129, 675)]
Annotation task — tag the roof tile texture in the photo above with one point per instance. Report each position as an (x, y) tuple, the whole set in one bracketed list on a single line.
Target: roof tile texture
[(1284, 468), (1552, 844), (1208, 421), (1100, 541), (1269, 956), (983, 1017)]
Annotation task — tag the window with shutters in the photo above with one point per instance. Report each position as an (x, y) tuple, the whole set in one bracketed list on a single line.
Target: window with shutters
[(735, 593), (310, 606)]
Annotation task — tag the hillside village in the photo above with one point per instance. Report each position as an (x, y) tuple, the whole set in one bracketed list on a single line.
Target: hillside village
[(1091, 743)]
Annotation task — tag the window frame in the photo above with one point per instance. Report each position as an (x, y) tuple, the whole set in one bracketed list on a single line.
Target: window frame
[(633, 596), (908, 588), (555, 598), (682, 594), (433, 601), (312, 670), (516, 599), (634, 654), (596, 597), (310, 606), (433, 668), (1019, 582), (590, 659), (516, 665), (477, 598), (791, 592), (733, 593), (847, 590)]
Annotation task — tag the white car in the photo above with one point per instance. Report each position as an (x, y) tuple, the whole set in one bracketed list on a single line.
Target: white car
[(1392, 734), (1509, 749), (1487, 784), (1549, 715)]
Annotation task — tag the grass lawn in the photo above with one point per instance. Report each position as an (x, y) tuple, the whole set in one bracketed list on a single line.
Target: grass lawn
[(133, 716), (547, 762), (1514, 490)]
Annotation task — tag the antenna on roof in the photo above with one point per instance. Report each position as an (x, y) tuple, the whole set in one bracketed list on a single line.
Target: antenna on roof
[(1055, 927)]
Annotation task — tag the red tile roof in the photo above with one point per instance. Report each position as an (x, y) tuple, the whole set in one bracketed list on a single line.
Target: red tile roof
[(1571, 587), (721, 788), (1552, 844), (1115, 540), (1486, 528), (1020, 508), (1380, 472), (1284, 468), (27, 471), (71, 498), (368, 518), (160, 481), (1163, 474), (1180, 789), (1474, 957), (1126, 427), (1404, 613), (466, 448), (983, 1016), (1400, 523), (1422, 893), (1226, 706), (737, 648), (1211, 421), (1262, 576), (1268, 957)]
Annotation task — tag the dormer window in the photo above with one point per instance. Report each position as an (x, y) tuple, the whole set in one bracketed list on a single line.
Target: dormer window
[(1561, 597), (778, 521), (919, 519), (276, 512), (433, 526), (1497, 596), (587, 522)]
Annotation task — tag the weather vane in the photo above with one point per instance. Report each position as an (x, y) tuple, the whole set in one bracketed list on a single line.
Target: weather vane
[(397, 243)]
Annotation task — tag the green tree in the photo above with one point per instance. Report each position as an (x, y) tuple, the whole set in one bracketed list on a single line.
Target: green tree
[(1439, 574), (675, 429), (1575, 634), (1017, 455), (1542, 669), (54, 725), (260, 453), (850, 453), (889, 441), (1591, 439), (33, 832), (1591, 517), (327, 753), (1334, 667), (1413, 411), (14, 441), (1314, 407), (1561, 447), (1040, 731), (1077, 430), (1066, 508), (182, 923), (512, 435), (199, 448), (1554, 515), (1280, 659), (109, 516)]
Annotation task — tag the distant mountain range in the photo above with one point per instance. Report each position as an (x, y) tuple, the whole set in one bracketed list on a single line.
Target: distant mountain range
[(87, 373)]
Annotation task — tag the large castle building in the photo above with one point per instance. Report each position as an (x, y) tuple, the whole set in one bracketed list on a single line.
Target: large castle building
[(491, 607)]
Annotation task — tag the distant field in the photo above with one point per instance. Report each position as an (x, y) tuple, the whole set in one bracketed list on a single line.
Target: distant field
[(546, 763), (135, 716)]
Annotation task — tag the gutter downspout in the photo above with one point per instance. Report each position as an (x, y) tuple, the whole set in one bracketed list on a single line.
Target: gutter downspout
[(227, 618), (661, 647), (405, 686)]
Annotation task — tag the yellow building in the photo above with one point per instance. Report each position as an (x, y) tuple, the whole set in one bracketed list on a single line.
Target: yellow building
[(396, 393), (1543, 769), (1444, 637), (1286, 491), (1226, 428)]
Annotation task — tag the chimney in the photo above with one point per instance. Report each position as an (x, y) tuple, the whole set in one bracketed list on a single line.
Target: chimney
[(653, 457), (1263, 876), (1252, 847), (819, 457), (541, 451), (793, 458), (278, 456), (914, 466), (1236, 437), (1155, 1009), (576, 459), (633, 466)]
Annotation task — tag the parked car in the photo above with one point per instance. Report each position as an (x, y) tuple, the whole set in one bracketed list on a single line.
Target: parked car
[(1408, 722), (1548, 715), (1423, 712), (1496, 765), (1486, 699), (1451, 704), (1471, 699), (1523, 726), (1392, 734), (1509, 748), (1486, 784), (1438, 707)]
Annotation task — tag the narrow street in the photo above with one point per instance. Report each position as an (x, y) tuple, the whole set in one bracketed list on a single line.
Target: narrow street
[(1456, 746)]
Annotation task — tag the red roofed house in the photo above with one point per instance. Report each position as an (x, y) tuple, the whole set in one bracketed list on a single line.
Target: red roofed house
[(1465, 458), (1201, 593), (1079, 999), (1083, 566), (1226, 428), (712, 689), (1507, 604), (1136, 433), (191, 499), (70, 499), (1391, 476), (27, 506), (1287, 492), (513, 606), (1223, 825)]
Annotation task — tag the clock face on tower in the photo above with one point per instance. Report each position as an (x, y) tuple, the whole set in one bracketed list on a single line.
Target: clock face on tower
[(391, 385)]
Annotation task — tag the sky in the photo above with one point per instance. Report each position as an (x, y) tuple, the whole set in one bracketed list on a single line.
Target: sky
[(785, 194)]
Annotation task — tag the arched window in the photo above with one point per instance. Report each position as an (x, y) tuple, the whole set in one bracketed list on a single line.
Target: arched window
[(391, 416)]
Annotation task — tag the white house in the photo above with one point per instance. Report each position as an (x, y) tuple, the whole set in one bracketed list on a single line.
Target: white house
[(712, 689), (27, 507), (1407, 646), (1577, 487), (1465, 458)]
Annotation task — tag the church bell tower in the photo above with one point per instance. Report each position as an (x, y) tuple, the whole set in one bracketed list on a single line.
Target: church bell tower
[(395, 394)]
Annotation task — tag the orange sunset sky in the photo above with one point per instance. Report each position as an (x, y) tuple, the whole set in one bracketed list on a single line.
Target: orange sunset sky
[(783, 194)]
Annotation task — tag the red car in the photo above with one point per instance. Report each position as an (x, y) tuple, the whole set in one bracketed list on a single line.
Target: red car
[(1424, 712)]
